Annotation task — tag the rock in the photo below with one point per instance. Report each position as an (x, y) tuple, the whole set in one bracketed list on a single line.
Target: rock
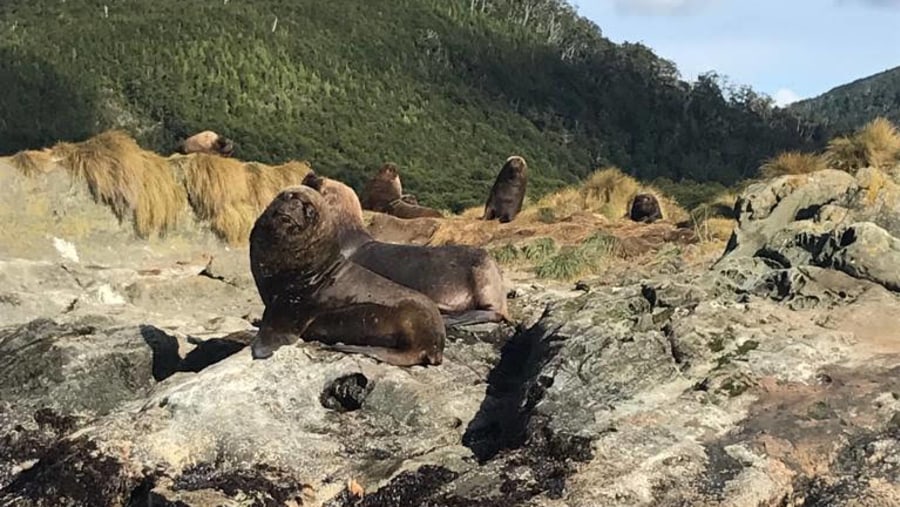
[(827, 219)]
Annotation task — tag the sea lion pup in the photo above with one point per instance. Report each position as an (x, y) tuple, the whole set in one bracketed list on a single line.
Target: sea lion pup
[(464, 281), (645, 208), (206, 142), (312, 291), (505, 200)]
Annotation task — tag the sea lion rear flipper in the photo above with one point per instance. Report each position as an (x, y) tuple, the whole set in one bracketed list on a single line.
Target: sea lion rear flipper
[(472, 317), (383, 354)]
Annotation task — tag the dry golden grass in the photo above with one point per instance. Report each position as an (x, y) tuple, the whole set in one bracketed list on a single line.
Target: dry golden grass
[(877, 144), (144, 187), (230, 194), (792, 162), (715, 220), (607, 192), (32, 162), (135, 183)]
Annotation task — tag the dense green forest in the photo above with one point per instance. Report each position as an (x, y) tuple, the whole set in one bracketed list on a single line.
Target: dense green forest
[(850, 106), (447, 89)]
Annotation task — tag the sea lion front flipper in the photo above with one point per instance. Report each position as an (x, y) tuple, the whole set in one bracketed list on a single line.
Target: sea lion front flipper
[(472, 317), (383, 354)]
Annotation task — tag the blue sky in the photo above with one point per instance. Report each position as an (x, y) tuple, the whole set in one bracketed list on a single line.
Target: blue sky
[(788, 49)]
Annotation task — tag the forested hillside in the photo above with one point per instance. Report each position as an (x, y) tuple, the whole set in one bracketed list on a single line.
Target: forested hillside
[(447, 89), (850, 106)]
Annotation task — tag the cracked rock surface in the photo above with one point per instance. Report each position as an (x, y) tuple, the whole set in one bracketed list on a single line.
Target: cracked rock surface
[(767, 375)]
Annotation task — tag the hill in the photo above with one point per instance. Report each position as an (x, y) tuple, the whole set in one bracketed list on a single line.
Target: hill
[(445, 88), (848, 107)]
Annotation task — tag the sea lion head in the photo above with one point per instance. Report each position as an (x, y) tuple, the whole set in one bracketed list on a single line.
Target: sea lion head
[(516, 165), (224, 146), (645, 207), (391, 175), (345, 208), (294, 234)]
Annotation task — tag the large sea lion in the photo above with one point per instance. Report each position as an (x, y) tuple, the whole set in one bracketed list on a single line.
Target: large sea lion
[(464, 281), (206, 142), (312, 291), (645, 208), (384, 193), (508, 192)]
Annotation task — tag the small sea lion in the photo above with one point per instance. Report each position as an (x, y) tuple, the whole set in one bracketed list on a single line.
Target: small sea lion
[(384, 193), (508, 192), (312, 291), (383, 189), (464, 281), (206, 142), (645, 208)]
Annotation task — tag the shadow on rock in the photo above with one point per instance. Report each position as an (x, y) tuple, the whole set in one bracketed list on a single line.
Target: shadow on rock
[(166, 358), (514, 388)]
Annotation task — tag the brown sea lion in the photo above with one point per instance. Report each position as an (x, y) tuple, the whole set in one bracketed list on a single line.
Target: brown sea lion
[(383, 189), (384, 193), (207, 142), (508, 192), (312, 291), (645, 208), (464, 281)]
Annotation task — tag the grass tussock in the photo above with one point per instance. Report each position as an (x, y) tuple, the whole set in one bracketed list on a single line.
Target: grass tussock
[(877, 144), (792, 162), (33, 162), (230, 194), (153, 191), (607, 192), (564, 263), (715, 220), (135, 183)]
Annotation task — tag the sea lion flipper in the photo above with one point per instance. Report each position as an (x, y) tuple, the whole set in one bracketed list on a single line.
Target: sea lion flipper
[(473, 317), (383, 354)]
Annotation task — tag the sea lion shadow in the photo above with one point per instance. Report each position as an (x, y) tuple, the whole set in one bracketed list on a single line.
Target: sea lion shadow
[(167, 360), (514, 388)]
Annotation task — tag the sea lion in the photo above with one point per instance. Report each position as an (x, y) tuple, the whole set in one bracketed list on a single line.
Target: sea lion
[(207, 142), (383, 189), (645, 208), (505, 200), (464, 281), (384, 193), (312, 291)]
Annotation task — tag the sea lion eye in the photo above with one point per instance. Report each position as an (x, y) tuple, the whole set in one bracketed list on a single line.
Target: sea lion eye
[(309, 212)]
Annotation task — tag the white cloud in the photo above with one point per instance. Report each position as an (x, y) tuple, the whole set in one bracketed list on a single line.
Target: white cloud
[(661, 7), (785, 96)]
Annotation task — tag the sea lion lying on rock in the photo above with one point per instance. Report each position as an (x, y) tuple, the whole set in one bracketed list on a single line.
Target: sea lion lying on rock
[(508, 193), (384, 193), (465, 282), (645, 208), (206, 142), (312, 291)]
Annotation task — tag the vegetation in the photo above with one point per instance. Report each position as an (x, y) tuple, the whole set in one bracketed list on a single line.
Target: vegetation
[(877, 144), (848, 107), (792, 162), (446, 88), (153, 191)]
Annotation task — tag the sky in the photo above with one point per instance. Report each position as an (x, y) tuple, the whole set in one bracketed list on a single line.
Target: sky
[(788, 49)]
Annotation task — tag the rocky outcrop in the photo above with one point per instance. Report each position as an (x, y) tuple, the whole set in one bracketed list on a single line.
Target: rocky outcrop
[(829, 219), (770, 378)]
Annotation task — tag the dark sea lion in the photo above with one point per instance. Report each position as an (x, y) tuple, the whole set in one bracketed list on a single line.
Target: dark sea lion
[(464, 281), (312, 291), (508, 192), (383, 189), (645, 208), (384, 193)]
